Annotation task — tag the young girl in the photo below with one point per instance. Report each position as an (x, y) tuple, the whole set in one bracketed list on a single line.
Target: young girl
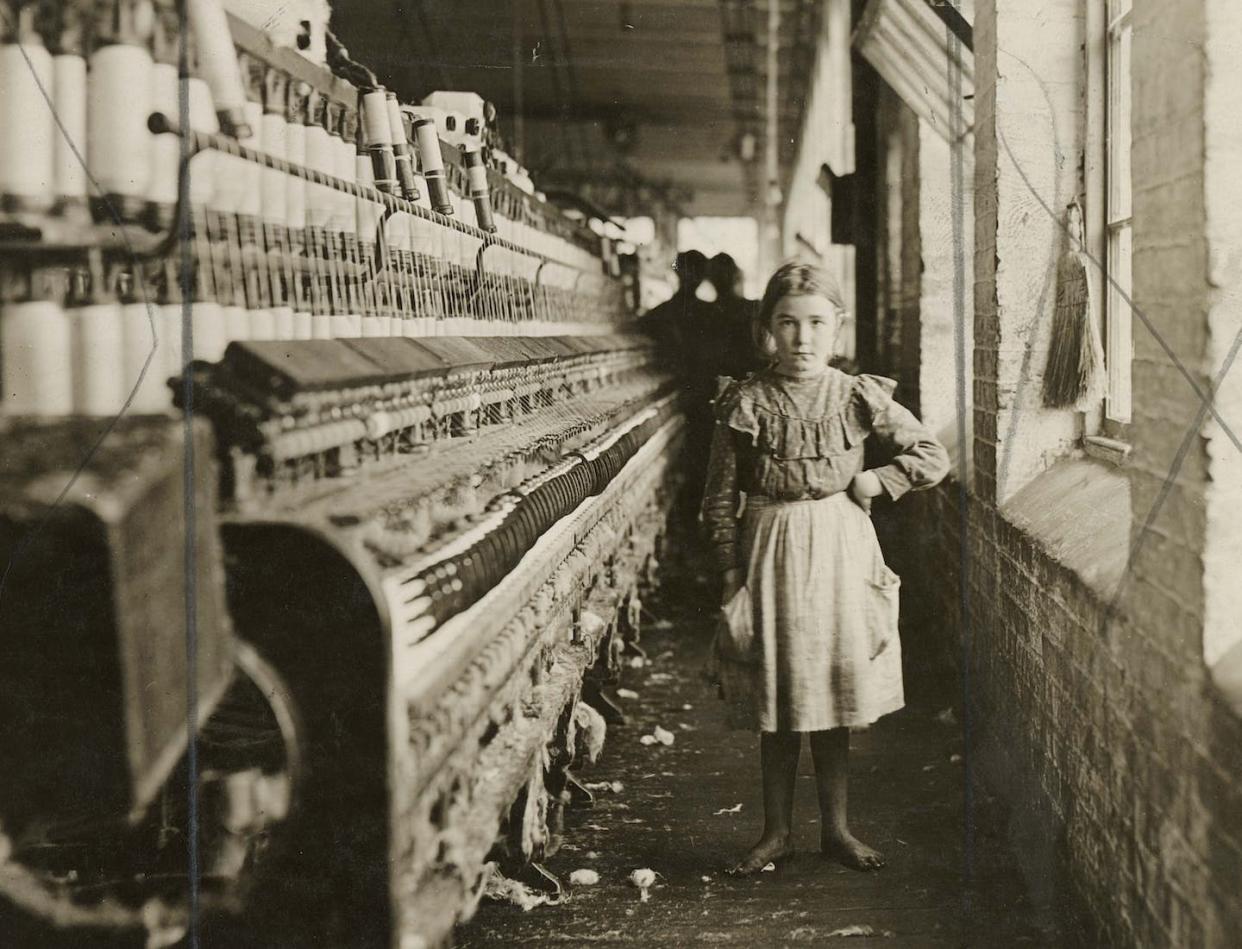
[(826, 657)]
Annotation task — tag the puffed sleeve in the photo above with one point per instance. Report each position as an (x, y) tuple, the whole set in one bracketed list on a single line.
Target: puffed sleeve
[(720, 494), (919, 460)]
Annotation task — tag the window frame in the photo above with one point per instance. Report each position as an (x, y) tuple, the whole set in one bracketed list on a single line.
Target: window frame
[(1108, 221)]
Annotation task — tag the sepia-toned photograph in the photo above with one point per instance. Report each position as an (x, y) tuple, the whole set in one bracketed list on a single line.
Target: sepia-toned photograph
[(624, 473)]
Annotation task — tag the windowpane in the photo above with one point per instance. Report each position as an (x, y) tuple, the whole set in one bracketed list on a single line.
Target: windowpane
[(1117, 211), (1119, 125), (1119, 342)]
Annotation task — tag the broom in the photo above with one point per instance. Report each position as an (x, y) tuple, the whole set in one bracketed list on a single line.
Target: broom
[(1075, 373)]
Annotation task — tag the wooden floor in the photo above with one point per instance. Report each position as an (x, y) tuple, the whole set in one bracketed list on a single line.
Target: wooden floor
[(677, 813)]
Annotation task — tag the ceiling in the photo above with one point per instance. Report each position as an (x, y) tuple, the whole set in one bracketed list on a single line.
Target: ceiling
[(624, 99)]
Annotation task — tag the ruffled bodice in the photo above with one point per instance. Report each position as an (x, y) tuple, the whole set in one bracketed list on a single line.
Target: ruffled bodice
[(789, 440)]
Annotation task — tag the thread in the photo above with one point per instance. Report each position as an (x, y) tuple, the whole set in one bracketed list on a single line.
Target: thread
[(252, 172), (321, 157), (480, 193), (151, 396), (402, 154), (35, 358), (98, 358), (207, 326), (217, 63), (165, 149), (282, 323), (26, 125), (303, 325), (202, 165), (171, 348), (378, 136), (295, 188), (341, 326), (343, 216), (70, 138), (119, 87), (432, 163), (237, 324), (274, 191)]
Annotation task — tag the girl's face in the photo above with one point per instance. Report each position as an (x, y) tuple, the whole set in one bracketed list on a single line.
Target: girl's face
[(804, 328)]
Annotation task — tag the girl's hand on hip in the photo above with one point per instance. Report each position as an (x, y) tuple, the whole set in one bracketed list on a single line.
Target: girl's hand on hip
[(732, 581), (865, 486)]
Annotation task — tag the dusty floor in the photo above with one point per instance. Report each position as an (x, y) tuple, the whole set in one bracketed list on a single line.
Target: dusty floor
[(685, 810)]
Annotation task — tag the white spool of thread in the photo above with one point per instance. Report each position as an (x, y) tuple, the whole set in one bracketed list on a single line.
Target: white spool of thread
[(69, 140), (303, 325), (284, 324), (252, 172), (217, 59), (263, 324), (374, 326), (343, 217), (207, 325), (118, 104), (36, 352), (140, 324), (275, 190), (171, 339), (340, 326), (229, 176), (27, 145), (377, 133), (402, 147), (98, 359), (165, 148), (295, 187), (320, 156), (237, 324), (321, 325), (202, 165)]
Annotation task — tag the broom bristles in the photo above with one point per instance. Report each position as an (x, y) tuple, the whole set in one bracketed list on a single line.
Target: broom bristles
[(1063, 376)]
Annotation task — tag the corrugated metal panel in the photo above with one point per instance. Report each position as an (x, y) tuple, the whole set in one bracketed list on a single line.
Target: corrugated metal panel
[(911, 48)]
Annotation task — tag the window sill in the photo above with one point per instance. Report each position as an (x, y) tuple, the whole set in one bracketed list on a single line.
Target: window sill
[(1108, 450), (1078, 512)]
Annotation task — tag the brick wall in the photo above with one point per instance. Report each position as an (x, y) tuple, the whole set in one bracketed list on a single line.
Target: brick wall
[(1028, 118), (1089, 704)]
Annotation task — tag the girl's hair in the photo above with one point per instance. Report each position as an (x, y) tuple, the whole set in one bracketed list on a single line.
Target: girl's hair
[(789, 280)]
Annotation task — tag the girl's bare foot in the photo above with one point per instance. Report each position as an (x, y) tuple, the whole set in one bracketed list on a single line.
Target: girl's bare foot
[(768, 850), (852, 852)]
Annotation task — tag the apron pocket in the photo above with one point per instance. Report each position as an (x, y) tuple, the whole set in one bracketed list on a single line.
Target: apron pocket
[(882, 609), (735, 632)]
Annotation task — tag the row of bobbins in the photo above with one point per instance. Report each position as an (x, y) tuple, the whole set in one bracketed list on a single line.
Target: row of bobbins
[(274, 256)]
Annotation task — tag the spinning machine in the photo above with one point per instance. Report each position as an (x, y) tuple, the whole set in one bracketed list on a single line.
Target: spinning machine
[(331, 480)]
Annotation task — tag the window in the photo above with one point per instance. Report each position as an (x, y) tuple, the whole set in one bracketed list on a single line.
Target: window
[(1117, 217)]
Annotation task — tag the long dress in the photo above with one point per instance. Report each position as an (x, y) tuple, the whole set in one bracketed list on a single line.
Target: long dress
[(784, 451)]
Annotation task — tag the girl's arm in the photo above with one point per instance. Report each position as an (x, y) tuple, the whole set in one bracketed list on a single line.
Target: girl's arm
[(720, 500), (919, 460)]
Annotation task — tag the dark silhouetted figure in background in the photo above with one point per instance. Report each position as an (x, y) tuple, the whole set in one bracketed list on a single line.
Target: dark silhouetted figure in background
[(683, 328), (732, 319), (674, 320)]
